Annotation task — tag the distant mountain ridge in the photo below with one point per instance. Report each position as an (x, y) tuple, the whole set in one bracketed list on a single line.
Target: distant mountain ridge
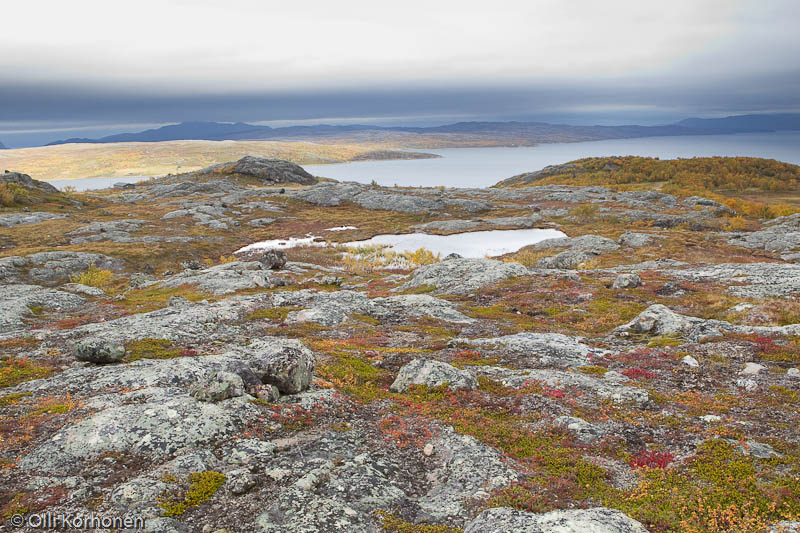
[(3, 146), (525, 131)]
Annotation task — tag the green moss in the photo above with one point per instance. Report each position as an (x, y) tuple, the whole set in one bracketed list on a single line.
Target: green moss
[(393, 523), (151, 348), (663, 341), (277, 314), (11, 399), (36, 309), (422, 289), (366, 319), (152, 298), (203, 486), (15, 371), (355, 376), (594, 370), (49, 409), (785, 394)]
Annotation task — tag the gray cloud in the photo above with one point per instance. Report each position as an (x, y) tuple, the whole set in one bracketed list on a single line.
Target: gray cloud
[(88, 65)]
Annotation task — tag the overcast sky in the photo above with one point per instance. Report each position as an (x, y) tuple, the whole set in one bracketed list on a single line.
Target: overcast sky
[(97, 66)]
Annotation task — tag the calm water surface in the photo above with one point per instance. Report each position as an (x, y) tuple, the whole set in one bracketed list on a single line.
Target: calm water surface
[(482, 167)]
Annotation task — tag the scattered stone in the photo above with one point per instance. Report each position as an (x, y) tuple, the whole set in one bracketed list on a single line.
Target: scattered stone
[(261, 222), (583, 430), (752, 369), (288, 365), (85, 290), (793, 372), (595, 520), (428, 450), (99, 351), (627, 281), (239, 481), (273, 259), (433, 373), (218, 387), (688, 360)]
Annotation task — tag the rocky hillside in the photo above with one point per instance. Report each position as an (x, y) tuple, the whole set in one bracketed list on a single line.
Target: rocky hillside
[(640, 374)]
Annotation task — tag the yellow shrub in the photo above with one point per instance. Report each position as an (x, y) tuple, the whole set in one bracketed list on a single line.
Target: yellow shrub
[(93, 277), (422, 257)]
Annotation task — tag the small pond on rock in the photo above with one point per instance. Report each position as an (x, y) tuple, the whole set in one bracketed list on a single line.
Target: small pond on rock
[(472, 244)]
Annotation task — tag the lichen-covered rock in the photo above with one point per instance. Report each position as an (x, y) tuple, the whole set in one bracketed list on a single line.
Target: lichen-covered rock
[(159, 425), (593, 520), (220, 386), (468, 470), (99, 350), (220, 279), (268, 171), (53, 267), (273, 259), (635, 240), (26, 182), (583, 430), (333, 194), (288, 365), (659, 320), (459, 275), (543, 348), (627, 281), (568, 260), (8, 220), (433, 373), (16, 302)]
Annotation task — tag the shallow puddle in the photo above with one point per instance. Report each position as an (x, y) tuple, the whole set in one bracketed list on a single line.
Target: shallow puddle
[(473, 244)]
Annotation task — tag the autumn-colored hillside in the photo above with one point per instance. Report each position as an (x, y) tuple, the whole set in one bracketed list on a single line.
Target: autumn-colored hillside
[(751, 185)]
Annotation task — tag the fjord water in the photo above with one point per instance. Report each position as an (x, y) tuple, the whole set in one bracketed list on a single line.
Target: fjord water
[(482, 167)]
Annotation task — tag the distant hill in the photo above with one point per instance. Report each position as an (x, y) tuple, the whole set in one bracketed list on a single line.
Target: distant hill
[(3, 146), (509, 132), (745, 123)]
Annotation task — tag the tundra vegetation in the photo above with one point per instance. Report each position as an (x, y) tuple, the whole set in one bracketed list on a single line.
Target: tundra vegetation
[(642, 374)]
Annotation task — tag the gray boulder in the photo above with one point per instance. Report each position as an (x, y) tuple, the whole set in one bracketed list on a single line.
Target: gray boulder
[(433, 373), (288, 365), (568, 260), (627, 281), (585, 432), (220, 386), (659, 320), (273, 259), (594, 520), (99, 350), (459, 275)]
